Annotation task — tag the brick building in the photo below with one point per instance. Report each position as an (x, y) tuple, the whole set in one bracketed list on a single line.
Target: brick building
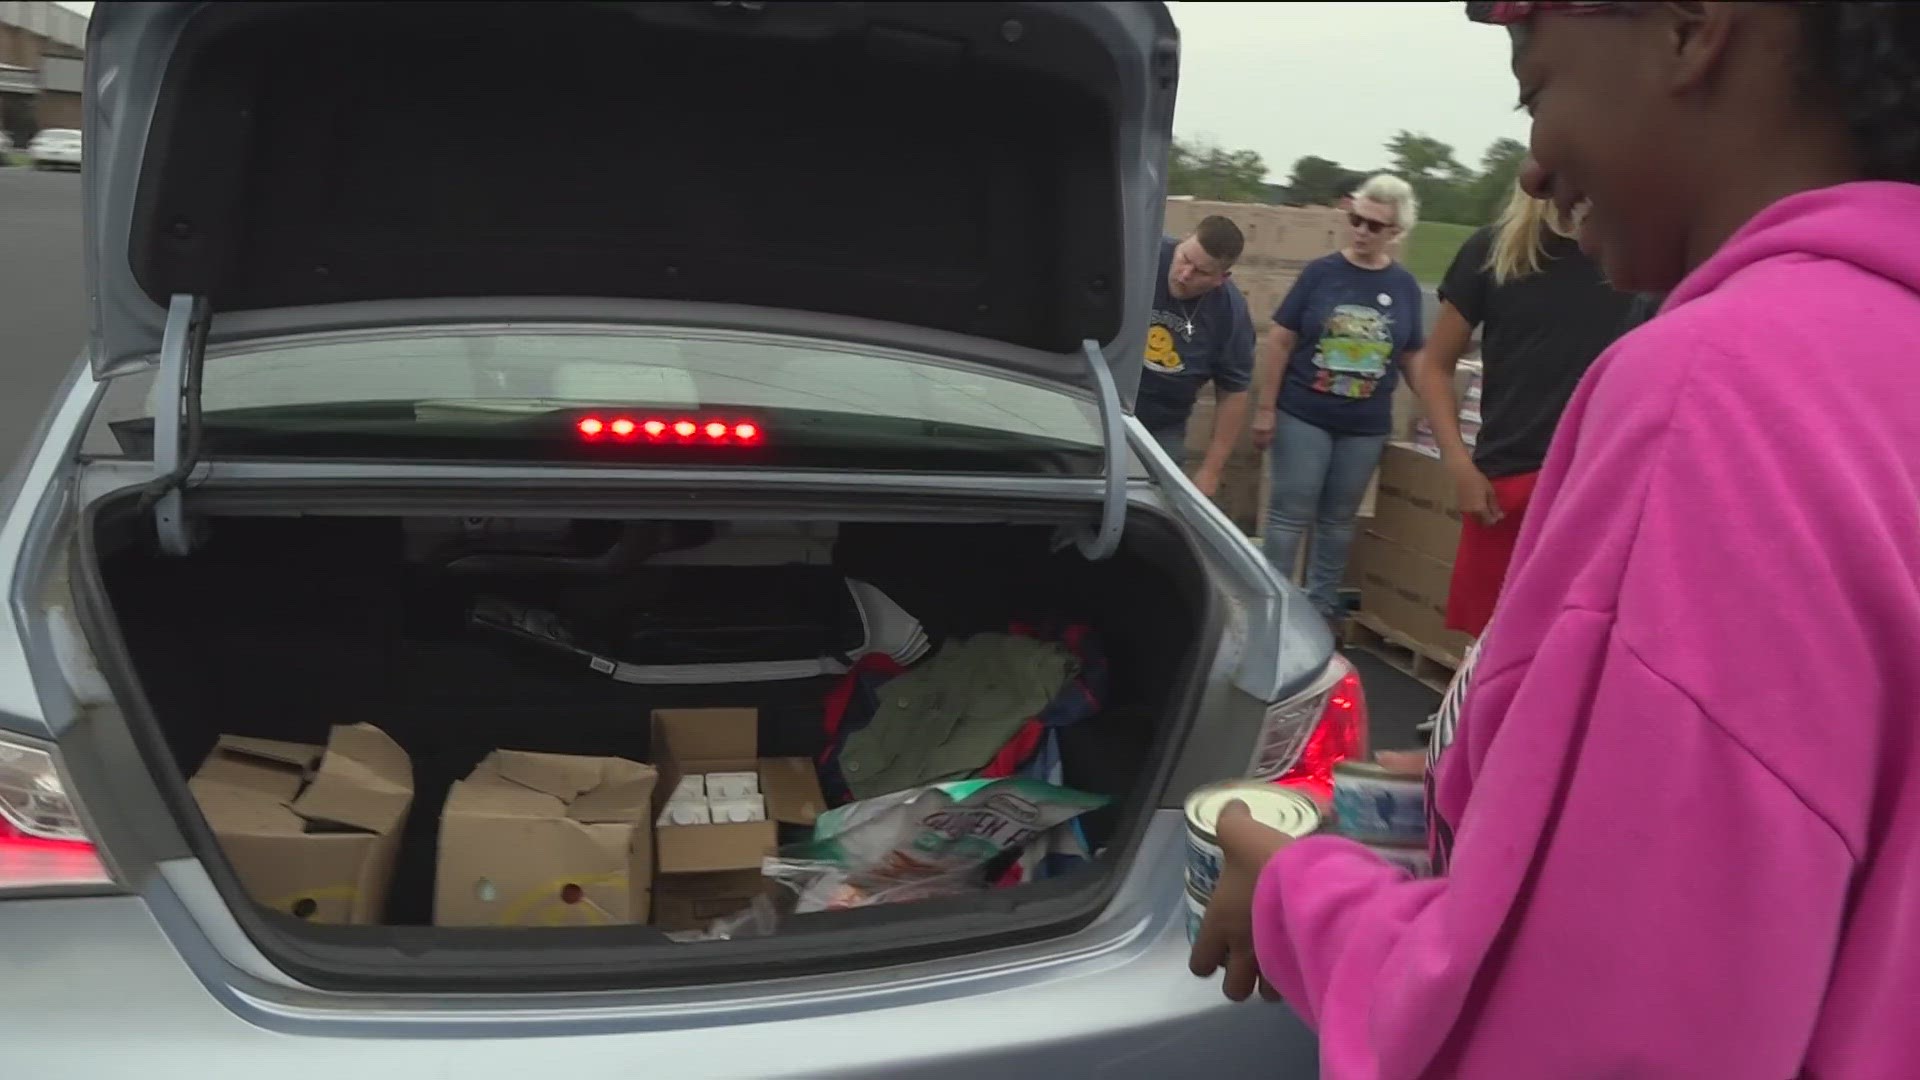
[(41, 50)]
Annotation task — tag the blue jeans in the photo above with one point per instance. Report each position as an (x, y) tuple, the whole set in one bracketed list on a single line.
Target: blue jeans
[(1318, 481)]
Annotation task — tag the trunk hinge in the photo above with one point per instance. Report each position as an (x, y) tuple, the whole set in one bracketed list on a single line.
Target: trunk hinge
[(1101, 541), (176, 421)]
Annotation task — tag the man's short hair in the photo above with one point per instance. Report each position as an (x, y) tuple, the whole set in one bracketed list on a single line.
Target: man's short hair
[(1221, 238)]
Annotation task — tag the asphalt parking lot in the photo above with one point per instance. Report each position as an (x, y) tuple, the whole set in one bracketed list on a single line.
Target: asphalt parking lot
[(42, 295)]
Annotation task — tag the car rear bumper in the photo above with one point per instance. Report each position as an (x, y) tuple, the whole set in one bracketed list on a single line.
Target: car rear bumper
[(1122, 1006)]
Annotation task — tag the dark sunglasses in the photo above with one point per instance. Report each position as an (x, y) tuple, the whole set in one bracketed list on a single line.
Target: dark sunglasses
[(1367, 223)]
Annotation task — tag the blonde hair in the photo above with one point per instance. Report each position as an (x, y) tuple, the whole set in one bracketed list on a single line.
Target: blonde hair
[(1519, 236), (1389, 190)]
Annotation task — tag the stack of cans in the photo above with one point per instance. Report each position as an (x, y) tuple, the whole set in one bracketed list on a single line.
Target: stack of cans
[(1385, 810), (1278, 808)]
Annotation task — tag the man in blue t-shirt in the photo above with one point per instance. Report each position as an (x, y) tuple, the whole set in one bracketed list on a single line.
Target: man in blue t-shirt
[(1200, 332)]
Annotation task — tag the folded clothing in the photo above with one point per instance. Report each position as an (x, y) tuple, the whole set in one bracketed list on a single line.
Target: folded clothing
[(985, 706)]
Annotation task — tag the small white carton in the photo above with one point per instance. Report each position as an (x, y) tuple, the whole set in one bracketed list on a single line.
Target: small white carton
[(739, 811), (685, 812), (732, 785)]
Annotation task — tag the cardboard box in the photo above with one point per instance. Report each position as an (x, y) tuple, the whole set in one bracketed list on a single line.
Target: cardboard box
[(311, 831), (1408, 592), (1282, 238), (532, 839), (1414, 505), (705, 872)]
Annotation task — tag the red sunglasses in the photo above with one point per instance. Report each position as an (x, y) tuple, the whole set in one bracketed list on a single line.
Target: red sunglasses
[(1508, 12)]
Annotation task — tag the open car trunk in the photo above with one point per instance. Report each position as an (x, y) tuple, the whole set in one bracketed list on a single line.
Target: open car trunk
[(459, 637)]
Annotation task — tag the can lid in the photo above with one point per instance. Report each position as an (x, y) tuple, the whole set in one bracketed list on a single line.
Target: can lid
[(1278, 808)]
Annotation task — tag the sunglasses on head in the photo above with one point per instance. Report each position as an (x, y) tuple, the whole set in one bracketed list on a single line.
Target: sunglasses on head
[(1508, 12), (1367, 223)]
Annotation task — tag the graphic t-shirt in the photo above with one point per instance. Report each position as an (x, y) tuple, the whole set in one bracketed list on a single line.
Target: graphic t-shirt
[(1190, 342), (1353, 327)]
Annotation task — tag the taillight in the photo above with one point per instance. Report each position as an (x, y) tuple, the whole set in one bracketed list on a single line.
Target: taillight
[(1304, 737), (42, 839), (1340, 735), (683, 430)]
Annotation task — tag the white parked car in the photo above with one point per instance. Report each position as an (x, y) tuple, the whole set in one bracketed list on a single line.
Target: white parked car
[(55, 148)]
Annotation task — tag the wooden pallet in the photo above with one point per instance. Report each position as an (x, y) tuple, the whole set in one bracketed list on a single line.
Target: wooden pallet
[(1430, 666)]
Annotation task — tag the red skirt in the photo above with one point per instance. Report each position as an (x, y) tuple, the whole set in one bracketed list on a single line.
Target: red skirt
[(1480, 566)]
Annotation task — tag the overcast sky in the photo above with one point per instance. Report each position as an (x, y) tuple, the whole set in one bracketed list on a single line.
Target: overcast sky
[(1336, 79)]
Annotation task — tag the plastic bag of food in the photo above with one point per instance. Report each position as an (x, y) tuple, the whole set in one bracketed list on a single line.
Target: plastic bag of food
[(921, 843)]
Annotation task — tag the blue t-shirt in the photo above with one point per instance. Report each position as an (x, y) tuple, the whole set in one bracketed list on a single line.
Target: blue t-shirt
[(1190, 342), (1354, 327)]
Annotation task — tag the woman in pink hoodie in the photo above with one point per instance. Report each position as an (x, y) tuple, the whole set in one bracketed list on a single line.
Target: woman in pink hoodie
[(1680, 817)]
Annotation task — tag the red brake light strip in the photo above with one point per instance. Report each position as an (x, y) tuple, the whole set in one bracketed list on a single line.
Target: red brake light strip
[(680, 429)]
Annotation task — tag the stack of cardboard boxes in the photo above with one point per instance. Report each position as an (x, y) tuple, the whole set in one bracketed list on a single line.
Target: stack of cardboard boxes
[(526, 839), (1469, 416), (1280, 240), (1402, 559)]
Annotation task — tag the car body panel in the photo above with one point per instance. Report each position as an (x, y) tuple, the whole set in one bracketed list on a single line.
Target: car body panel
[(1124, 1006)]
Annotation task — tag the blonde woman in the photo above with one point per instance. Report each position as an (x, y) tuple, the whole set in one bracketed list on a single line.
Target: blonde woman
[(1544, 313), (1327, 372)]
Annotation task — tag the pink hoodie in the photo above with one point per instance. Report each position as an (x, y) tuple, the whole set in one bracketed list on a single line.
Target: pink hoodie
[(1684, 794)]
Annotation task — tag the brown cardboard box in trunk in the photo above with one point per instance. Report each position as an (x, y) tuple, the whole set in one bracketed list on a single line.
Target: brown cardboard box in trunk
[(531, 839), (1408, 592), (1415, 504), (311, 831), (708, 871)]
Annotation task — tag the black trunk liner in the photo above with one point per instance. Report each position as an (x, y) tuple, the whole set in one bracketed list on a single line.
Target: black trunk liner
[(281, 628)]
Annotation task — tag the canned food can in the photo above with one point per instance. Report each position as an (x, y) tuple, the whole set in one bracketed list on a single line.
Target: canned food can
[(1373, 804), (1412, 857), (1196, 911), (1279, 808)]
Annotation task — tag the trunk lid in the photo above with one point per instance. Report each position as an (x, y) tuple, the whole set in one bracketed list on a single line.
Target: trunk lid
[(993, 171)]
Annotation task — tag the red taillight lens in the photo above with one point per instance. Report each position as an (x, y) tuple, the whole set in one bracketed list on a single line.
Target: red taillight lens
[(42, 841), (1303, 737), (1340, 735), (683, 429)]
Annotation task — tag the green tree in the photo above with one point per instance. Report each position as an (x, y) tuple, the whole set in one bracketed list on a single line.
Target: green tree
[(1206, 171), (1499, 169), (1318, 181), (1423, 157)]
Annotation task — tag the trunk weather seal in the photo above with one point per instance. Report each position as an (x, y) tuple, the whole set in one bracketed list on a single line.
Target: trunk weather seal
[(392, 960)]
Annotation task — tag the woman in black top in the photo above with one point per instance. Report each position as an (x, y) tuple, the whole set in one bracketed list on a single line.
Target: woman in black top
[(1545, 315)]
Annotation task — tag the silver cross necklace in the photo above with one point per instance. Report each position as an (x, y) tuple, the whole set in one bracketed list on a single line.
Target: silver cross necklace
[(1186, 331)]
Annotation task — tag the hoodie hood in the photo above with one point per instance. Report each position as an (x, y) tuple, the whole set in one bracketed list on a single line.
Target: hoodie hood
[(1848, 222)]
